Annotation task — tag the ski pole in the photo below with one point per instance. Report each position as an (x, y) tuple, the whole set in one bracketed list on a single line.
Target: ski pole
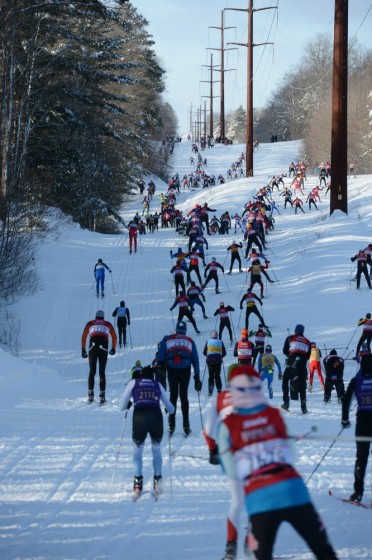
[(170, 463), (273, 271), (94, 281), (240, 314), (113, 288), (348, 344), (232, 328), (173, 320), (224, 373), (312, 430), (130, 337), (205, 367), (324, 456), (227, 286), (200, 411), (118, 451)]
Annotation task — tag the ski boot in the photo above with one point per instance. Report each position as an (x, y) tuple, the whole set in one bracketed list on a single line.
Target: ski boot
[(187, 430), (90, 396), (356, 497), (285, 405), (210, 390), (158, 484), (102, 397), (304, 407), (230, 551), (138, 485), (171, 425)]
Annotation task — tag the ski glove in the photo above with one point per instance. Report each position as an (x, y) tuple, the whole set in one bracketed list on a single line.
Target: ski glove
[(84, 353), (129, 405), (213, 456), (280, 376), (198, 384), (346, 423), (110, 271), (112, 352)]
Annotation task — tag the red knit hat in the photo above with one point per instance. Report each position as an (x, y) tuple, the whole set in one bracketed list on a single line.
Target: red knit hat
[(241, 369)]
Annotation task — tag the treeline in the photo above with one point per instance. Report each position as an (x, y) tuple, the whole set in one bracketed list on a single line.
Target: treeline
[(301, 106), (82, 117)]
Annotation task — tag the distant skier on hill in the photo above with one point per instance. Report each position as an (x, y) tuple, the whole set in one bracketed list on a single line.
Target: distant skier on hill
[(366, 335), (210, 273), (297, 349), (99, 274), (362, 261), (215, 351), (223, 312), (184, 309), (234, 250), (123, 319)]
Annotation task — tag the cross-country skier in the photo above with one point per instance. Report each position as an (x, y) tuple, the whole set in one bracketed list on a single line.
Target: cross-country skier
[(265, 365), (360, 386), (184, 309), (215, 351), (223, 312), (146, 394), (367, 332), (362, 261), (195, 295), (98, 331), (254, 448), (123, 319), (250, 299), (99, 275), (297, 348), (234, 248), (211, 273), (178, 353), (315, 365), (243, 349), (334, 376)]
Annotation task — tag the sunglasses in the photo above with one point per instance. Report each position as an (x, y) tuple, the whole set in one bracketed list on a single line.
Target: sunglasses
[(246, 389)]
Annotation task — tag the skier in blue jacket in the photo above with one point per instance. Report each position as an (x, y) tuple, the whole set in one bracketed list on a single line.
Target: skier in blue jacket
[(178, 353), (99, 274)]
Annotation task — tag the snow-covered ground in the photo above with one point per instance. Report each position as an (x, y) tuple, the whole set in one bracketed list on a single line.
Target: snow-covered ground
[(58, 455)]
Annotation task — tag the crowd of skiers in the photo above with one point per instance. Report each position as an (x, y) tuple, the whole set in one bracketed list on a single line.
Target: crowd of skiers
[(258, 465)]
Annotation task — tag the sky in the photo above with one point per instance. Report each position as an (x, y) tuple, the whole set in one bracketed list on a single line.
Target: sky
[(182, 35), (66, 467)]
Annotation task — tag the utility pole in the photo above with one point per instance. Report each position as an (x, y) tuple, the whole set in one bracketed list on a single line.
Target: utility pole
[(222, 70), (339, 109), (250, 45), (211, 82), (191, 125)]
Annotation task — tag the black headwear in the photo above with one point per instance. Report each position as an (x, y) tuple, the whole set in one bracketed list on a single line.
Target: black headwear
[(147, 372), (366, 365)]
